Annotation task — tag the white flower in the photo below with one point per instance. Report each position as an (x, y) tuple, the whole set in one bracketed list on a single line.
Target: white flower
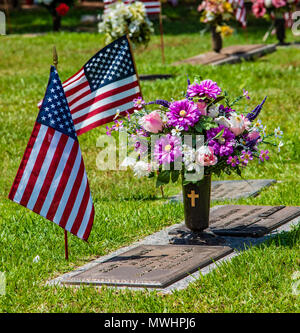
[(280, 145), (194, 166), (177, 131), (128, 19), (128, 162), (213, 111), (268, 3), (258, 125), (36, 259), (141, 169), (223, 121), (278, 133)]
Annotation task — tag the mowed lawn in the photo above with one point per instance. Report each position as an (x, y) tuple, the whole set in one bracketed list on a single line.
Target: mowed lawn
[(127, 209)]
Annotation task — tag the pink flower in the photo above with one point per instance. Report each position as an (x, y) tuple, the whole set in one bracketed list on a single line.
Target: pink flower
[(205, 156), (139, 103), (259, 9), (253, 135), (152, 122), (206, 88), (167, 149), (239, 123), (278, 3), (202, 107)]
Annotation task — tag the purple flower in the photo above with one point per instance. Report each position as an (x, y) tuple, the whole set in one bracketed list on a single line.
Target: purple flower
[(225, 109), (118, 124), (245, 94), (224, 144), (109, 130), (264, 155), (254, 113), (183, 113), (233, 161), (139, 103), (167, 149), (245, 157), (162, 102), (206, 88)]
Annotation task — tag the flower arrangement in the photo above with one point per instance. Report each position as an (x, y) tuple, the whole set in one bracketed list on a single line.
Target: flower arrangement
[(272, 8), (223, 138), (57, 10), (217, 12), (128, 19)]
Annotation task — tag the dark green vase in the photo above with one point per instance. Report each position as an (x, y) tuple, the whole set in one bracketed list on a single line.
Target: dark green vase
[(280, 30), (196, 201), (216, 39)]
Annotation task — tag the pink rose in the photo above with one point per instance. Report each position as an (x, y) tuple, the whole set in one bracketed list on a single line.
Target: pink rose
[(278, 3), (202, 108), (152, 122), (259, 9), (205, 156)]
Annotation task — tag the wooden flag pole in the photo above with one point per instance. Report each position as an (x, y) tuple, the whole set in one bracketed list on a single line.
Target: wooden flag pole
[(55, 63), (162, 45), (134, 64)]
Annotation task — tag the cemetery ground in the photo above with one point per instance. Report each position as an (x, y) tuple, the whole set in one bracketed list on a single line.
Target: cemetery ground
[(127, 208)]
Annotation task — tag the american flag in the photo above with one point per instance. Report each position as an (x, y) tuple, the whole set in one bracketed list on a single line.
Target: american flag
[(152, 7), (51, 180), (104, 86), (240, 12)]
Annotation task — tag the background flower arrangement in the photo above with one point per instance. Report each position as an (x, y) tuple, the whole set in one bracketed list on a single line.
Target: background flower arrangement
[(129, 19), (216, 13), (232, 139), (57, 9), (272, 8), (277, 10)]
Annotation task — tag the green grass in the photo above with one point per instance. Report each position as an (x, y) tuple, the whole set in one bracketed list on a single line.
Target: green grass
[(127, 209)]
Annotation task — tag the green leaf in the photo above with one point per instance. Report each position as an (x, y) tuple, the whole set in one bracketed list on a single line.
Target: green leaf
[(219, 134), (217, 100), (198, 127), (175, 175), (163, 178)]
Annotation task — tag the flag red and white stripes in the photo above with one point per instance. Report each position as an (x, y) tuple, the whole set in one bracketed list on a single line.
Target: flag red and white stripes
[(152, 7), (240, 12), (51, 180), (92, 109), (106, 85)]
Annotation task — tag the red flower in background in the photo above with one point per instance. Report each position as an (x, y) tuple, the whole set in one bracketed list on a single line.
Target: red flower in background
[(62, 9)]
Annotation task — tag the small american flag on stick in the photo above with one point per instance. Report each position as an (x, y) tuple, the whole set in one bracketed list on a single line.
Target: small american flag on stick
[(51, 180), (152, 7), (240, 12), (104, 86)]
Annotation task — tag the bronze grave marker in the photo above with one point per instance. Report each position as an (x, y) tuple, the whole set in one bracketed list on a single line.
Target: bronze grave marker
[(155, 266), (229, 55), (250, 221)]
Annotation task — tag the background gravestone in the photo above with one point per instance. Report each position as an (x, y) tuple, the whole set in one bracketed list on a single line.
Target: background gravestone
[(234, 189)]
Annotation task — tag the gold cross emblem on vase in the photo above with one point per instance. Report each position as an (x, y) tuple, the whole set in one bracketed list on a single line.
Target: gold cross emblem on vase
[(193, 196)]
